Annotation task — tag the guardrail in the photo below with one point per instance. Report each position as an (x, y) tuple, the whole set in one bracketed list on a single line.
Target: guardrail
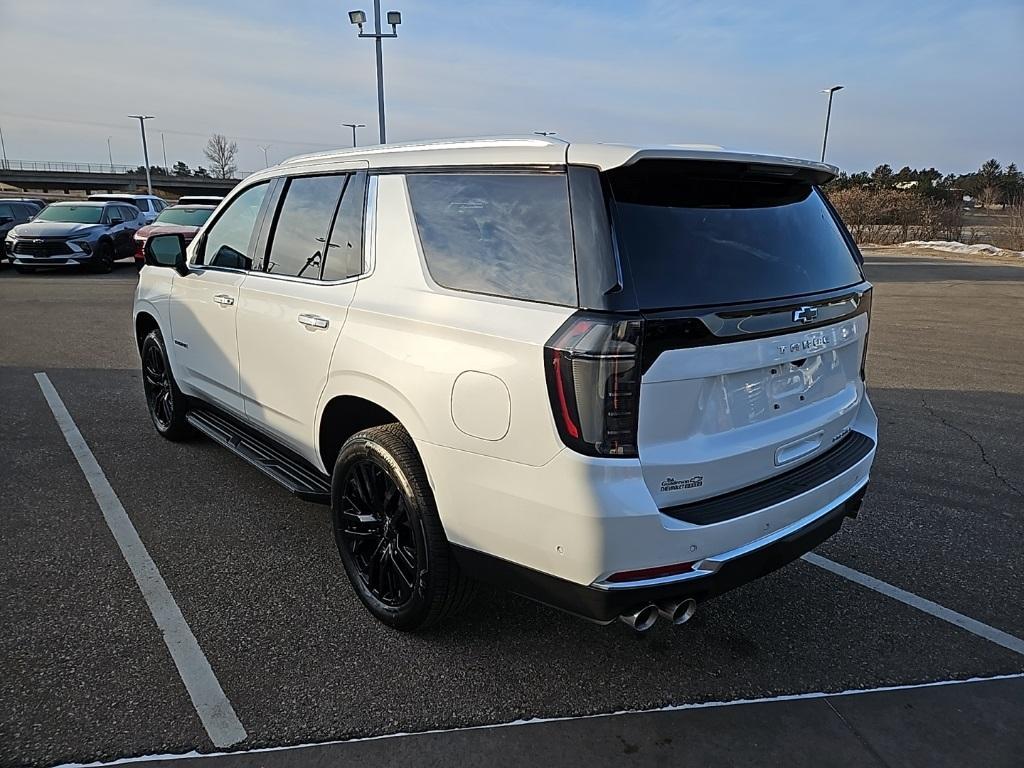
[(63, 166)]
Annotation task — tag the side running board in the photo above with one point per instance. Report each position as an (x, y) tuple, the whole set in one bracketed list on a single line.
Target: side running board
[(296, 475)]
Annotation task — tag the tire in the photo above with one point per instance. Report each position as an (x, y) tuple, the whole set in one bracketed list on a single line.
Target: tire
[(102, 258), (389, 534), (167, 405)]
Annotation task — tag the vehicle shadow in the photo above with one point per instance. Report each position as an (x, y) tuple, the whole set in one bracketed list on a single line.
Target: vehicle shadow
[(123, 268)]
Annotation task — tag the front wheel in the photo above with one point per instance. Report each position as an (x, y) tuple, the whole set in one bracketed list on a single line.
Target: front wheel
[(102, 258), (389, 534), (167, 404)]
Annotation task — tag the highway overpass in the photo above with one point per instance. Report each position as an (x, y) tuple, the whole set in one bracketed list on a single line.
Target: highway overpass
[(93, 178)]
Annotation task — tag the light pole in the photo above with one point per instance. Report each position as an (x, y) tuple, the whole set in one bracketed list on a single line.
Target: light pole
[(145, 150), (394, 19), (264, 147), (110, 155), (828, 115), (164, 147), (353, 126), (3, 146)]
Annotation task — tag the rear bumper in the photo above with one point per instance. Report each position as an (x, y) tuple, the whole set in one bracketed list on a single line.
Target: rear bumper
[(711, 576), (564, 532)]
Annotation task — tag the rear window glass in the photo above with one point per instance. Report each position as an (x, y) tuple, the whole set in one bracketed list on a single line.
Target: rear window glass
[(185, 217), (499, 234), (715, 237)]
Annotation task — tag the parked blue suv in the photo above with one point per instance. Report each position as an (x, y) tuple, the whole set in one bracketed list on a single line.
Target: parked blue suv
[(75, 233)]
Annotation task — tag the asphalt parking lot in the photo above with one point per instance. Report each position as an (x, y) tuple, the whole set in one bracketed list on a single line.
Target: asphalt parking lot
[(87, 676)]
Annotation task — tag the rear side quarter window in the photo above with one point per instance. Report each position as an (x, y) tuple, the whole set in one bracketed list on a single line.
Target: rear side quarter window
[(501, 234)]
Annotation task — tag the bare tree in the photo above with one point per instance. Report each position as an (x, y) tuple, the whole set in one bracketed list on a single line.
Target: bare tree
[(989, 195), (889, 216), (1015, 226), (221, 154)]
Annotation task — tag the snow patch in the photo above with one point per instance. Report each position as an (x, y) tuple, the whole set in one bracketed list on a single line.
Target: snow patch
[(954, 247)]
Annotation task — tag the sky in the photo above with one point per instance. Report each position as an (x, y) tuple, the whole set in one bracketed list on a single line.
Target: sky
[(927, 82)]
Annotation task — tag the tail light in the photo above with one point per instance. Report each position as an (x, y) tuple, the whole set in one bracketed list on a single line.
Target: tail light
[(593, 372)]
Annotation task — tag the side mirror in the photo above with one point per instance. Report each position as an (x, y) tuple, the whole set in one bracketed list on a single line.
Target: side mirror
[(166, 251), (115, 221)]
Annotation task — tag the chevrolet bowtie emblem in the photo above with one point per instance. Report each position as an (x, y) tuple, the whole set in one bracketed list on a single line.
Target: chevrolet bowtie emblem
[(805, 315)]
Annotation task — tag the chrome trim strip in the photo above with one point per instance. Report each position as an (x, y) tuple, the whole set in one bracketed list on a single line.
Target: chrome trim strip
[(710, 565), (370, 227)]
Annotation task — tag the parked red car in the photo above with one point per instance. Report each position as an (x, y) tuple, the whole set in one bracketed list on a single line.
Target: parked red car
[(176, 219)]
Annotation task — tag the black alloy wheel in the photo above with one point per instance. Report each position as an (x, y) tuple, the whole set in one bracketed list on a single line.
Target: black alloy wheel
[(167, 405), (389, 533), (158, 388), (375, 525), (102, 258)]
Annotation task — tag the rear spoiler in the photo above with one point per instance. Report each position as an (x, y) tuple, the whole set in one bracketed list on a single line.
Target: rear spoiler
[(608, 156)]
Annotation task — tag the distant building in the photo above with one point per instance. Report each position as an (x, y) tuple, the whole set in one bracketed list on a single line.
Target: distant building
[(906, 184)]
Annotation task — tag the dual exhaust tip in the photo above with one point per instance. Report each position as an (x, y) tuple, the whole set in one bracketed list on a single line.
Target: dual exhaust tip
[(674, 611)]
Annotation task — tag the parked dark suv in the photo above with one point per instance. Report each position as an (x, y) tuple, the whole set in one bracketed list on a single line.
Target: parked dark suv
[(69, 234), (12, 213)]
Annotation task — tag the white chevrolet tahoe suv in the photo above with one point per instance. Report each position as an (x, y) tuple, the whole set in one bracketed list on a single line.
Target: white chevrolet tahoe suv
[(617, 380)]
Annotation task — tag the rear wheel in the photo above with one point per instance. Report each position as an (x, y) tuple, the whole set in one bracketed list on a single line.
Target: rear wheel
[(389, 534), (167, 404), (102, 258)]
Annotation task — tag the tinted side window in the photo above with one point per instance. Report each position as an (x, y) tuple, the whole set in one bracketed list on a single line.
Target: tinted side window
[(345, 245), (227, 240), (8, 210), (128, 213), (500, 234), (300, 232)]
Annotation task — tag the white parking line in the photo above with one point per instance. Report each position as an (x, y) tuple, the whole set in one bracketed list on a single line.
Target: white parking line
[(212, 706), (973, 626), (541, 720)]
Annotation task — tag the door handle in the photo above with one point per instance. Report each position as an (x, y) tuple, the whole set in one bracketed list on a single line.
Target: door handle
[(223, 299), (314, 321)]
